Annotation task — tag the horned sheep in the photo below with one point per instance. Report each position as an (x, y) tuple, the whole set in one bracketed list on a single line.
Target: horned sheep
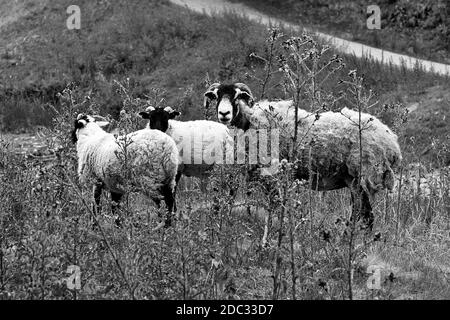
[(328, 143), (152, 157)]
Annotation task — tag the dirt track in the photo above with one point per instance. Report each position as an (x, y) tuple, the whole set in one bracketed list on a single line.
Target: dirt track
[(344, 46)]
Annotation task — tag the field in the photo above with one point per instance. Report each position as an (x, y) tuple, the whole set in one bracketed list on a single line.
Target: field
[(127, 55)]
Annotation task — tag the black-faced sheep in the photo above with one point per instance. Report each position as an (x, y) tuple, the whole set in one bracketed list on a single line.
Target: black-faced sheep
[(328, 143), (151, 157), (198, 138)]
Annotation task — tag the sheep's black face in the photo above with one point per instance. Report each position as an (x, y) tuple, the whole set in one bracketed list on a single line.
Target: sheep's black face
[(79, 123), (159, 117), (228, 97), (227, 107), (159, 120)]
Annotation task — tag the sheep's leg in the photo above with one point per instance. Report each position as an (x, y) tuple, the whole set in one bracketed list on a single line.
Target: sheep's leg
[(97, 190), (267, 224), (157, 201), (177, 179), (361, 207), (203, 184), (169, 199), (116, 198), (251, 176), (367, 212)]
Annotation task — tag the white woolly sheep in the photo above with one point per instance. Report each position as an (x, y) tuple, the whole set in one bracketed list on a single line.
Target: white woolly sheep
[(151, 157), (199, 136), (331, 138)]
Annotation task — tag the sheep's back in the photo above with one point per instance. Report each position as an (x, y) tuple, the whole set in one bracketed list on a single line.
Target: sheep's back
[(149, 156), (335, 140), (332, 140), (98, 160), (154, 154), (198, 137)]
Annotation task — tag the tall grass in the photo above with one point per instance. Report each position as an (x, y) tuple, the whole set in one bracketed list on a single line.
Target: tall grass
[(313, 250), (214, 250)]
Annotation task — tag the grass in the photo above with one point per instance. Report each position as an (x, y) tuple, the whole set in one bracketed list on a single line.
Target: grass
[(214, 250), (208, 254)]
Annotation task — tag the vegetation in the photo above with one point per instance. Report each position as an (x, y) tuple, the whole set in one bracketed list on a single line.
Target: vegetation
[(214, 251), (313, 249)]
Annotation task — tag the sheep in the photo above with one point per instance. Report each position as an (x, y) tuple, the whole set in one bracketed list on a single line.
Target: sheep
[(330, 139), (206, 135), (151, 156)]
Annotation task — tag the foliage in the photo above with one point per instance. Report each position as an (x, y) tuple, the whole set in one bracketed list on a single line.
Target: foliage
[(312, 249)]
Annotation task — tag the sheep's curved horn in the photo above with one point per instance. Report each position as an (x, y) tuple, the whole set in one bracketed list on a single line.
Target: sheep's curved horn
[(242, 87), (80, 115), (169, 109), (213, 88), (149, 109), (210, 94), (97, 117)]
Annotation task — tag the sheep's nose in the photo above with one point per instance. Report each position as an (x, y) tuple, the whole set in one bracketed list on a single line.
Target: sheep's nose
[(224, 114)]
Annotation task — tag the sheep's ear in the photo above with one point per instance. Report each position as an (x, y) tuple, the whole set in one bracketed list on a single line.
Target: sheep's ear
[(243, 92), (144, 115), (211, 94), (78, 124), (174, 114), (243, 95)]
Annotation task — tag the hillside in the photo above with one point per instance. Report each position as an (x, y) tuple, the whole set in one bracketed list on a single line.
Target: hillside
[(156, 45)]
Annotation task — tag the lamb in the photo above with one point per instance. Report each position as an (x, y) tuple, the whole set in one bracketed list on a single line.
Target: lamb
[(331, 138), (206, 136), (152, 158)]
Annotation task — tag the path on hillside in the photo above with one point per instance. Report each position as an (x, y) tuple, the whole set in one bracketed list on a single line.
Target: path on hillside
[(344, 46)]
